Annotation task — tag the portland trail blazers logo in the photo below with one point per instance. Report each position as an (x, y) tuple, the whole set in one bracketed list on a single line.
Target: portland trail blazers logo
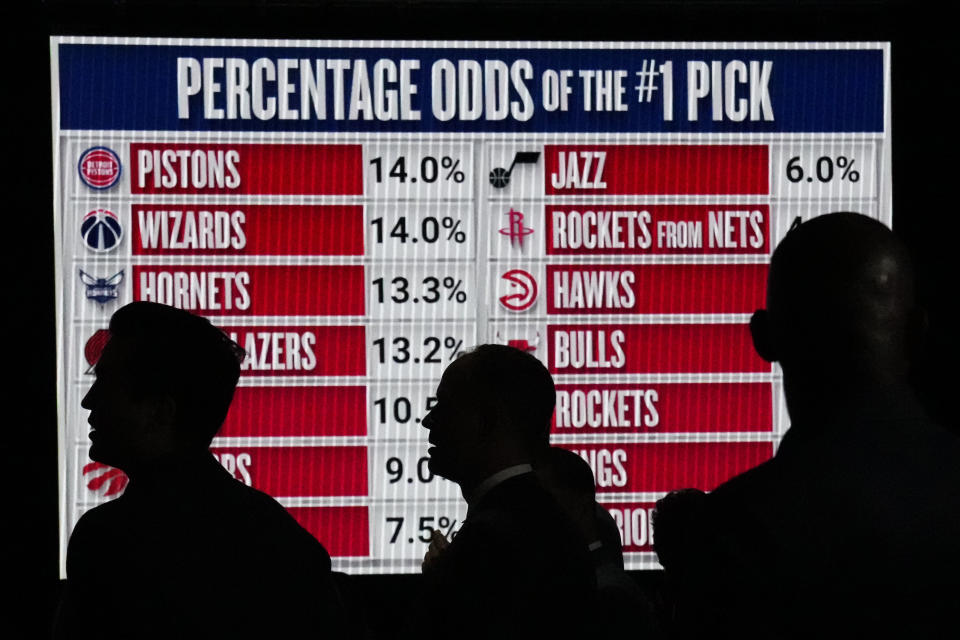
[(99, 168), (94, 347)]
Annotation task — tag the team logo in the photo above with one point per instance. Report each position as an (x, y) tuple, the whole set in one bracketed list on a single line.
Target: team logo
[(94, 348), (520, 343), (101, 290), (99, 475), (523, 290), (99, 168), (500, 177), (515, 229), (101, 230)]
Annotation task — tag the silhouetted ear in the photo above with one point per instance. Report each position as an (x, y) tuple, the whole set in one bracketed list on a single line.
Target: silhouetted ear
[(762, 335)]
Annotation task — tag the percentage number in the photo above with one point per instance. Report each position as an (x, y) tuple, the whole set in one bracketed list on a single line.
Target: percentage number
[(429, 170), (430, 231), (398, 290), (400, 410), (423, 473), (425, 528), (398, 350), (824, 169)]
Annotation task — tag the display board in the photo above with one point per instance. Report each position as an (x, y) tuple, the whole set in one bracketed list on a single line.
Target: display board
[(355, 214)]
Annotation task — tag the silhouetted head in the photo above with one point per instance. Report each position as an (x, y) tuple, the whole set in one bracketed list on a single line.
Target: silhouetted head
[(840, 309), (569, 479), (493, 409), (164, 383)]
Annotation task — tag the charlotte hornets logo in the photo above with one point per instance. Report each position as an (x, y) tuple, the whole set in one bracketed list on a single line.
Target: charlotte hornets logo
[(101, 290), (101, 230), (99, 168)]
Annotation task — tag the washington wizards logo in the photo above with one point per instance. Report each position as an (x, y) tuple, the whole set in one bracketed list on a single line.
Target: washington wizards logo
[(99, 168), (101, 230), (101, 290)]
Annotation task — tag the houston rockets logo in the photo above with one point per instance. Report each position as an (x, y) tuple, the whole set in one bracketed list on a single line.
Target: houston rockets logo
[(524, 287), (515, 229), (99, 475)]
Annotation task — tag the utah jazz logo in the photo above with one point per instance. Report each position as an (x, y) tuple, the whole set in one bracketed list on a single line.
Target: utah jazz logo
[(515, 229)]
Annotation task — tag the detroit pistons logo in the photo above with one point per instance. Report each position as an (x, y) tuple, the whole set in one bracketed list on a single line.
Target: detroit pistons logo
[(99, 168)]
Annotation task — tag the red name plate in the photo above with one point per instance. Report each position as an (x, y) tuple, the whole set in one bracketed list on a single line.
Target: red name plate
[(296, 411), (343, 531), (656, 169), (659, 288), (287, 169), (298, 471), (617, 229), (247, 290), (634, 521), (652, 348), (248, 230), (301, 351), (660, 467), (663, 408)]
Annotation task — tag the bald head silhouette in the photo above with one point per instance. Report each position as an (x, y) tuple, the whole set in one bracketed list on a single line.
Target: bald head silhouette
[(841, 315)]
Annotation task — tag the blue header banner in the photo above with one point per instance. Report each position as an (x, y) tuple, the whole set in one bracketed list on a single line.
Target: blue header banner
[(523, 90)]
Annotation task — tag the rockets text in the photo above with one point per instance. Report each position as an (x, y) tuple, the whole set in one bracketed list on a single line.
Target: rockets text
[(598, 229), (607, 408)]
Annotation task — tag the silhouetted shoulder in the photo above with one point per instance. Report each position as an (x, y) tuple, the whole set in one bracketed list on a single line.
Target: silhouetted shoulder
[(514, 562)]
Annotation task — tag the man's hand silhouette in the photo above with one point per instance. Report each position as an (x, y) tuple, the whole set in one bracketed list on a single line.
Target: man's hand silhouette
[(438, 546)]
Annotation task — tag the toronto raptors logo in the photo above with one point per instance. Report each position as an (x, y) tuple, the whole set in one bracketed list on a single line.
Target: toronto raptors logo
[(99, 168), (523, 290)]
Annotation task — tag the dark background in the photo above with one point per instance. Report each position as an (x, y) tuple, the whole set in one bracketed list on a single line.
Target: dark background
[(924, 94)]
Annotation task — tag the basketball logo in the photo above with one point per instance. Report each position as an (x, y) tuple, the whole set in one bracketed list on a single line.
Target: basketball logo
[(99, 168), (522, 292), (101, 230)]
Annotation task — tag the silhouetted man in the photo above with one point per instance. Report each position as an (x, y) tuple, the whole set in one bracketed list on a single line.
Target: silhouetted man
[(187, 550), (518, 567), (851, 529), (622, 608)]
